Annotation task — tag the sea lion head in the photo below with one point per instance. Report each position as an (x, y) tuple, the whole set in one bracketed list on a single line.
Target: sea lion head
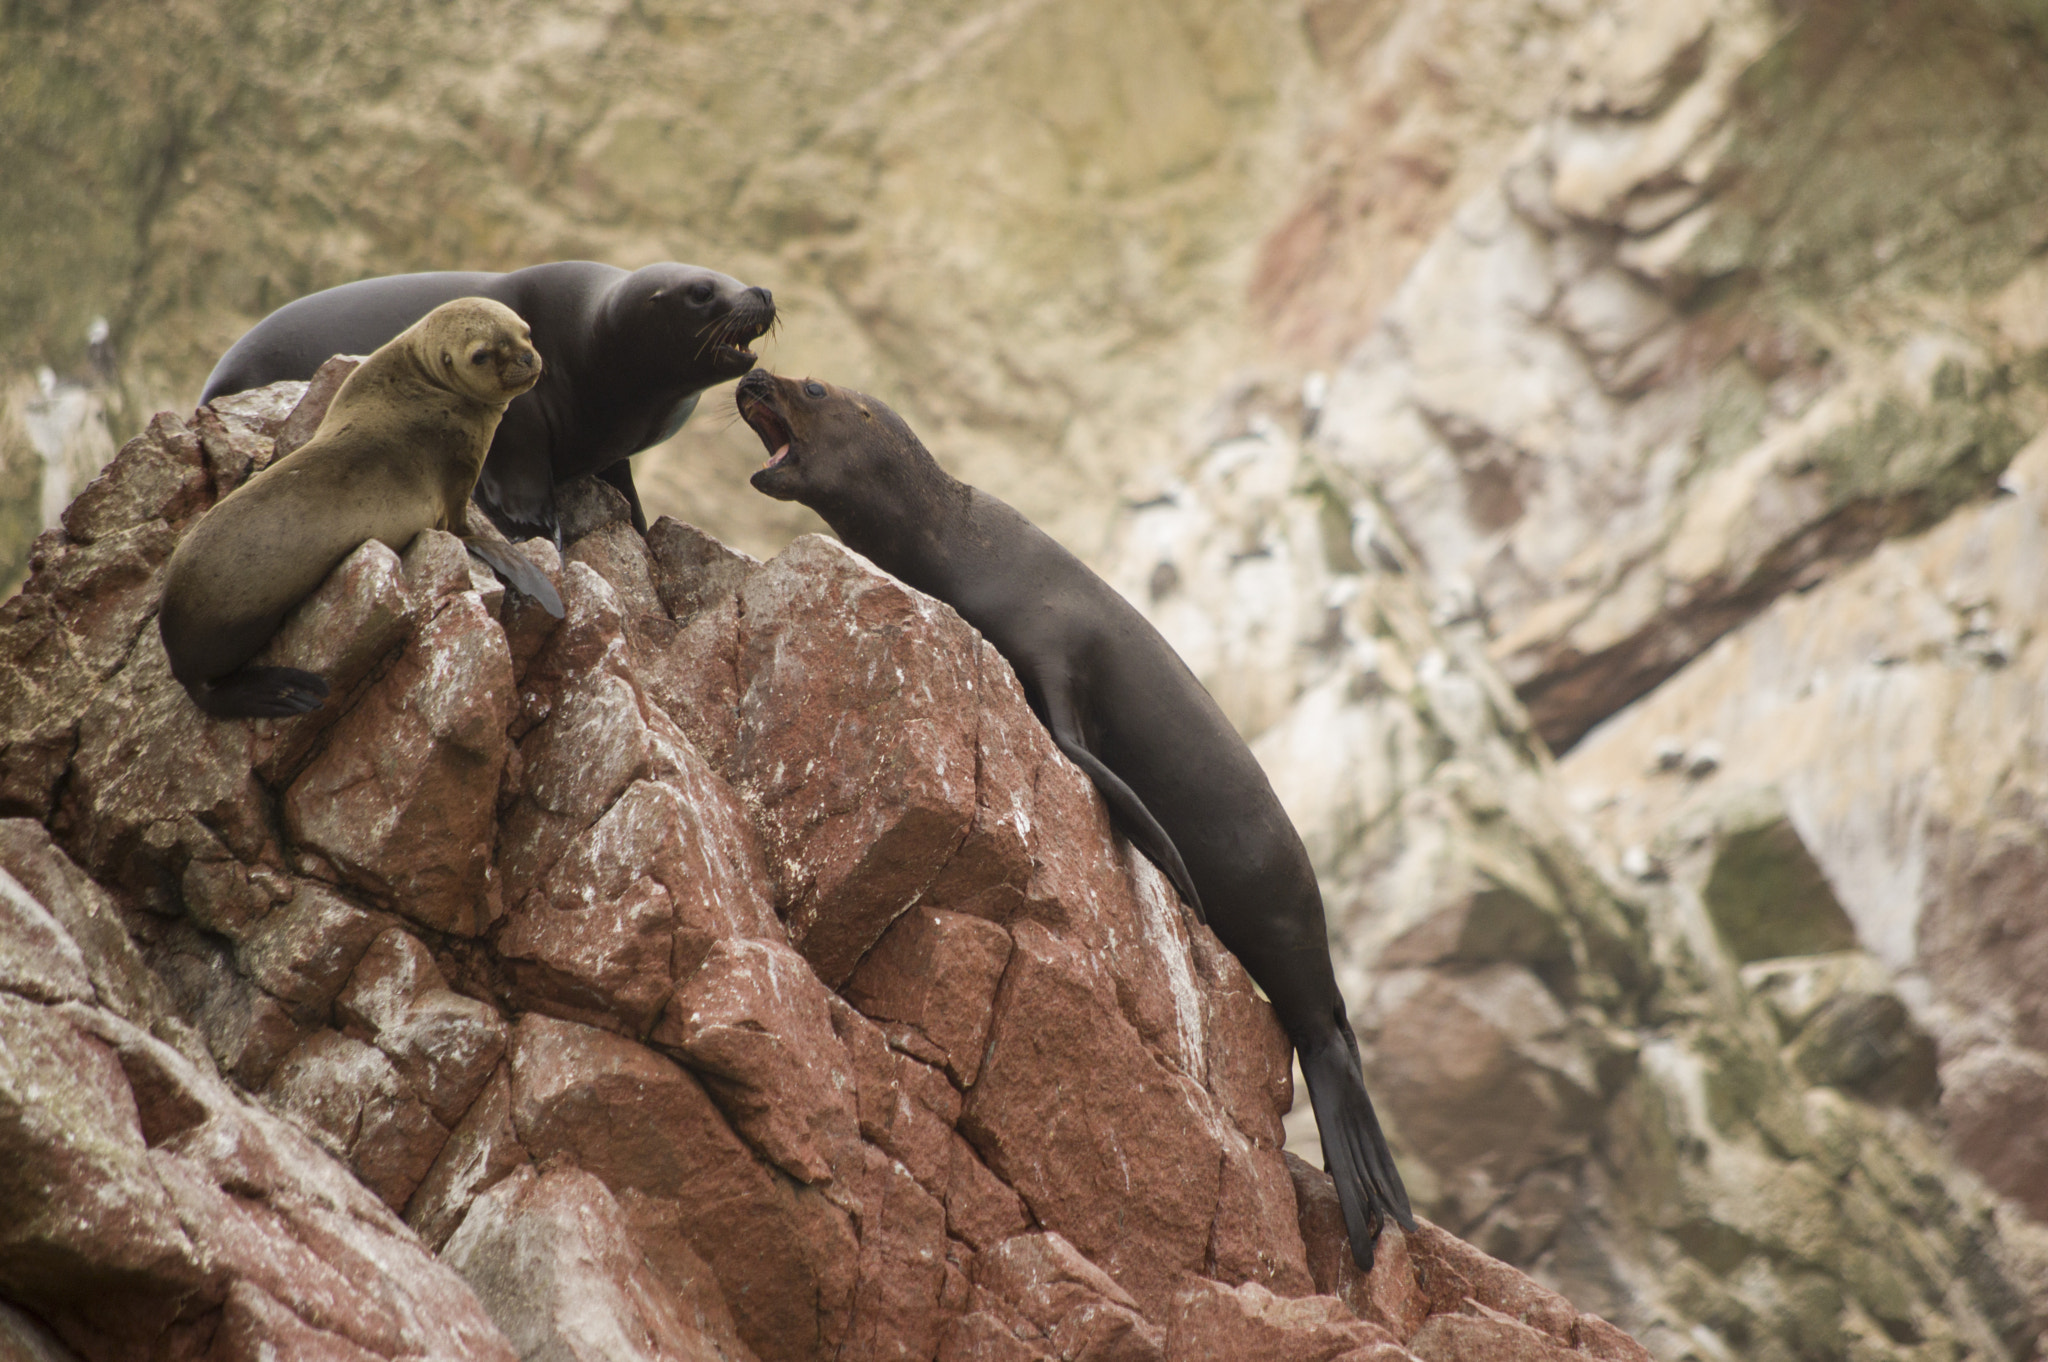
[(479, 348), (827, 446), (705, 318)]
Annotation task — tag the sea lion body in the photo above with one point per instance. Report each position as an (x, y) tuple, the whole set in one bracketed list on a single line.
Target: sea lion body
[(1120, 703), (398, 452), (628, 355)]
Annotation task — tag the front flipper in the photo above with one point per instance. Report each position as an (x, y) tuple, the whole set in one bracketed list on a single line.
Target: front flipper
[(517, 488), (620, 475), (1132, 817), (260, 693), (517, 569)]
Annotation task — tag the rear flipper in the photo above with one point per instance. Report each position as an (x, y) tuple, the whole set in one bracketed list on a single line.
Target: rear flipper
[(260, 693), (1354, 1150), (517, 569)]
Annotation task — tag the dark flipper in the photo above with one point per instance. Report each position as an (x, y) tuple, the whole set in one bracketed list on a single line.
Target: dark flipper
[(1354, 1149), (620, 475), (260, 693), (517, 569), (1135, 820)]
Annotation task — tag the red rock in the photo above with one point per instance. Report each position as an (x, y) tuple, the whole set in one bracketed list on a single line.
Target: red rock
[(1492, 1283), (691, 570), (754, 1022), (692, 671), (990, 875), (901, 1269), (317, 395), (1470, 1338), (481, 1150), (1044, 1122), (38, 959), (82, 1214), (1067, 1089), (256, 1327), (1250, 1062), (350, 1097), (234, 447), (1391, 1296), (907, 1108), (1066, 1300), (784, 1256), (1252, 1324), (443, 1045), (302, 953), (401, 801), (1256, 1237), (980, 1208), (557, 1263), (670, 869), (856, 741), (936, 971), (619, 555), (158, 475)]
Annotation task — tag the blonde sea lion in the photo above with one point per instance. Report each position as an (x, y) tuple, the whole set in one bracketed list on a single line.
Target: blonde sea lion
[(1120, 703), (398, 452)]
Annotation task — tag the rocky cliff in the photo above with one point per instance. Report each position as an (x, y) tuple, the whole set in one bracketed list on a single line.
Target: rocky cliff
[(1655, 383), (732, 969)]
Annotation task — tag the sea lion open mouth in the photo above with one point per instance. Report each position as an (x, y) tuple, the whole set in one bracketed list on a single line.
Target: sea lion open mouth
[(730, 342), (767, 423)]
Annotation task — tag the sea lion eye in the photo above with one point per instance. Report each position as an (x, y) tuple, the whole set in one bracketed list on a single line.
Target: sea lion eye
[(814, 389), (700, 292), (479, 357)]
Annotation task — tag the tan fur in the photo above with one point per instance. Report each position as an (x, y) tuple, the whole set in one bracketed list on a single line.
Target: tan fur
[(398, 452)]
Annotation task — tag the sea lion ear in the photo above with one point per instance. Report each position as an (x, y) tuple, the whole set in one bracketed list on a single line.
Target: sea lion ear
[(447, 360)]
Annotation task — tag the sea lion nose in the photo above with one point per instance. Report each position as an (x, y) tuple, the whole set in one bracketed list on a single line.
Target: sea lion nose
[(766, 297)]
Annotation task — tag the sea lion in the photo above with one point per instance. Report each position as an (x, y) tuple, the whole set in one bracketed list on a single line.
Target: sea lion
[(397, 452), (628, 355), (1122, 705)]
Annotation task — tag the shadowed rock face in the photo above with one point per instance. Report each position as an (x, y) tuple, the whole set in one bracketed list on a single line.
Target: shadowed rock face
[(731, 969)]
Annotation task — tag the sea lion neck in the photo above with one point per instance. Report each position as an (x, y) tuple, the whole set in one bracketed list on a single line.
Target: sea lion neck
[(908, 519)]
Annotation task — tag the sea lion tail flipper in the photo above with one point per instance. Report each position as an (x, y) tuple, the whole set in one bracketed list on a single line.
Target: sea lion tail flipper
[(1134, 819), (1355, 1150), (260, 693), (517, 569)]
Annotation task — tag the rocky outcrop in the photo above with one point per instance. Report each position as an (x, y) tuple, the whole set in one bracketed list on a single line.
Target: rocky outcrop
[(1610, 1056), (732, 969), (1681, 355)]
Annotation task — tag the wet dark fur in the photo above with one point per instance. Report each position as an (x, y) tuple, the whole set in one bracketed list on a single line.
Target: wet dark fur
[(1123, 706)]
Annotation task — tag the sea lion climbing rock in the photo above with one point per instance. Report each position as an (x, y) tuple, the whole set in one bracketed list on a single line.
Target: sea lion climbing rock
[(1120, 703), (628, 352), (397, 452)]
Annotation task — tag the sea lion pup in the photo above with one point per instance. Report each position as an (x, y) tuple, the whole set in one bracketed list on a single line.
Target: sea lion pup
[(628, 353), (397, 452), (1121, 704)]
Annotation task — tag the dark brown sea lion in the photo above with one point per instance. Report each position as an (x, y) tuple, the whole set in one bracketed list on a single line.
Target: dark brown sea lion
[(398, 452), (628, 355), (1122, 705)]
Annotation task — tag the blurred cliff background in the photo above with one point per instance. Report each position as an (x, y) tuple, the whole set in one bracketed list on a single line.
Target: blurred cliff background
[(1591, 449)]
